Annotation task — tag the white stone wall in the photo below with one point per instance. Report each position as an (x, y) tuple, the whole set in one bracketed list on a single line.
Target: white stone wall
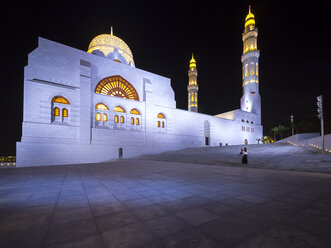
[(57, 70)]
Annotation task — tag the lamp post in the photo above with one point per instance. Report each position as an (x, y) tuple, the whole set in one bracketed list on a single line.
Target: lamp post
[(321, 117), (292, 124)]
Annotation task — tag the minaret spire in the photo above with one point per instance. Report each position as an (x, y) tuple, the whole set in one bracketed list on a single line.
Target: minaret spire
[(251, 100), (192, 86)]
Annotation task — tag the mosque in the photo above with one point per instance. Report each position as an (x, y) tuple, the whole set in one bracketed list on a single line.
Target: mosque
[(94, 106)]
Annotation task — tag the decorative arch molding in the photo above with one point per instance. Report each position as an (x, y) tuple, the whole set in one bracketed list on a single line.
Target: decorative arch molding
[(161, 115), (118, 87), (60, 94)]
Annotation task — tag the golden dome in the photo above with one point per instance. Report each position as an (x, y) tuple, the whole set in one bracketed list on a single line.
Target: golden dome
[(109, 44), (192, 62), (250, 18)]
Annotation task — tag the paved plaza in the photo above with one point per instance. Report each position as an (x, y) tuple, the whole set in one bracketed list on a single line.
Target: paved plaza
[(268, 156), (145, 203)]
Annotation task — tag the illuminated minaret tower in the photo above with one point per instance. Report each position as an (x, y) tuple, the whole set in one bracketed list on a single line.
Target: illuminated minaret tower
[(251, 100), (192, 86)]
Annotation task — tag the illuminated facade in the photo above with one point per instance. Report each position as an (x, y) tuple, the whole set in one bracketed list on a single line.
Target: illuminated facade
[(87, 107), (192, 86), (251, 100)]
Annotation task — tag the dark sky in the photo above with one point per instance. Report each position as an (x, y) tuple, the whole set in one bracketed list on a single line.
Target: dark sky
[(294, 44)]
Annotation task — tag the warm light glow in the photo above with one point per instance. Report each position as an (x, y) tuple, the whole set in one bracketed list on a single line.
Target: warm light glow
[(193, 62), (116, 118), (257, 69), (132, 121), (134, 112), (117, 86), (101, 106), (160, 115), (137, 121), (64, 112), (119, 109), (122, 119), (60, 99), (107, 43), (56, 111), (250, 18), (98, 116), (105, 117)]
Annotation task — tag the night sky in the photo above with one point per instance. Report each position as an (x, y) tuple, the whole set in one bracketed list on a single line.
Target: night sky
[(293, 43)]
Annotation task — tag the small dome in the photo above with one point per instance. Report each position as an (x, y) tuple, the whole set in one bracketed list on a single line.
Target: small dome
[(250, 18), (112, 47), (192, 62)]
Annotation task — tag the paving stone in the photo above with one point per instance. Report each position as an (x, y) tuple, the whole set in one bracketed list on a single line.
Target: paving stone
[(72, 231), (297, 238), (115, 220), (189, 239), (262, 241), (224, 233), (149, 212), (135, 235), (196, 216), (165, 225)]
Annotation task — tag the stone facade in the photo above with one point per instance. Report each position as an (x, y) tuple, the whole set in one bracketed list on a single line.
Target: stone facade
[(68, 118)]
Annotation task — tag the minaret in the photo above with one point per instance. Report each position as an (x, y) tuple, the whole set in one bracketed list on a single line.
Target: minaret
[(251, 100), (192, 86)]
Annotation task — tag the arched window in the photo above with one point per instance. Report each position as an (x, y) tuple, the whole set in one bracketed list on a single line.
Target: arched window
[(98, 116), (117, 86), (134, 112), (122, 119), (132, 121), (257, 68), (64, 112), (137, 121), (247, 121), (161, 122), (116, 118), (242, 120), (119, 109), (101, 106), (246, 69), (160, 115), (60, 99), (104, 117), (252, 122), (60, 107), (56, 111)]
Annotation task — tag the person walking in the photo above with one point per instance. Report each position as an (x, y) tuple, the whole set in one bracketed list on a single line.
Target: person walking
[(244, 156)]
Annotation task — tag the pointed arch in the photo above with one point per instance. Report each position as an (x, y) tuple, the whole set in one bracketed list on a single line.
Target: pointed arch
[(117, 86), (60, 99), (135, 111), (101, 106), (119, 109), (161, 115)]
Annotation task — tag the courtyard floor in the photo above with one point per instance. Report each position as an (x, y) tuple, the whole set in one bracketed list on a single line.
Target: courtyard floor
[(144, 203)]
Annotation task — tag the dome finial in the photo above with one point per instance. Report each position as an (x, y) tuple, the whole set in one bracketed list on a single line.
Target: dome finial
[(249, 9), (192, 62), (111, 30)]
